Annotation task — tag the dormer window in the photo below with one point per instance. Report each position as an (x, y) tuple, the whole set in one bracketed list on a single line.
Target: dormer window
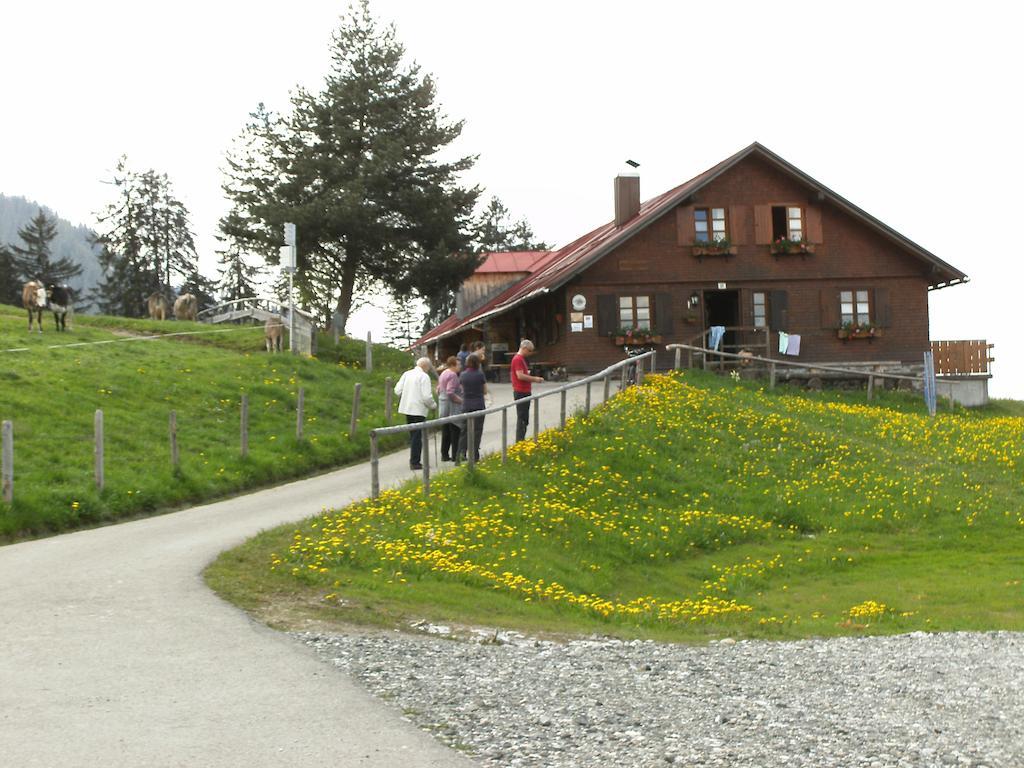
[(787, 223), (709, 225)]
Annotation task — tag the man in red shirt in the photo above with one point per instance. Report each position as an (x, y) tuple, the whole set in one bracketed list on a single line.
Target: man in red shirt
[(522, 385)]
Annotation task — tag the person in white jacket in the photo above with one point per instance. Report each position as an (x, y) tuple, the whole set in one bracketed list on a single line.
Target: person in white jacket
[(417, 400)]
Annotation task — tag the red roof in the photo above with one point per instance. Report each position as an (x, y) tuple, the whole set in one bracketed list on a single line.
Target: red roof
[(511, 261), (553, 269)]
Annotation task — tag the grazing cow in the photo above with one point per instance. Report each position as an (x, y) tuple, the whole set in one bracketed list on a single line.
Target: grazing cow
[(186, 307), (158, 305), (273, 330), (33, 298), (61, 303)]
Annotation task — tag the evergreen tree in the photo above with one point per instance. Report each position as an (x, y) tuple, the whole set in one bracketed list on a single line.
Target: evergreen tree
[(10, 284), (355, 167), (401, 328), (147, 241), (494, 231), (33, 261), (238, 279)]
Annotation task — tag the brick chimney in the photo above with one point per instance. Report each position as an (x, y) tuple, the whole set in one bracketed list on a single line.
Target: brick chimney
[(627, 197)]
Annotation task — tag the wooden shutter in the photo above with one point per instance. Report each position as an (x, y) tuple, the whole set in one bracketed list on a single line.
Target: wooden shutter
[(778, 307), (663, 314), (607, 314), (763, 224), (880, 308), (738, 224), (684, 225), (813, 231), (829, 308)]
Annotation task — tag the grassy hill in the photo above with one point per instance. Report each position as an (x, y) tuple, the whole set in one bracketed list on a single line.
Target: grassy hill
[(51, 394), (689, 508)]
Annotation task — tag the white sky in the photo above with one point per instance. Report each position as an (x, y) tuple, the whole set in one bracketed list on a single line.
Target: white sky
[(910, 110)]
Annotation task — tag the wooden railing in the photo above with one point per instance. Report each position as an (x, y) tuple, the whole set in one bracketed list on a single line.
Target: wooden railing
[(962, 358), (700, 341)]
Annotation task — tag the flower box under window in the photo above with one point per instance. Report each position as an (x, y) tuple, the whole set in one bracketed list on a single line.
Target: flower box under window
[(858, 333), (791, 247), (700, 250), (637, 339)]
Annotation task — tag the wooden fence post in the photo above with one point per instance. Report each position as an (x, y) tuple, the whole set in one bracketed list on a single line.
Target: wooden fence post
[(425, 452), (173, 428), (536, 418), (586, 403), (471, 442), (374, 466), (561, 411), (355, 411), (607, 387), (504, 434), (679, 359), (244, 426), (369, 352), (871, 386), (389, 394), (7, 469), (98, 448), (771, 375), (300, 412)]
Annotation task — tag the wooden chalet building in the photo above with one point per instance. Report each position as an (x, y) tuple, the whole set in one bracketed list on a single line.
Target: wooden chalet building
[(753, 244)]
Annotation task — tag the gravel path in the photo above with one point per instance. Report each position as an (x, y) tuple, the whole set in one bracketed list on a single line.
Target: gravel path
[(910, 700)]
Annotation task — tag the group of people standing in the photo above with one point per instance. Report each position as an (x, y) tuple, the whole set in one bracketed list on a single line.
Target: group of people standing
[(461, 388)]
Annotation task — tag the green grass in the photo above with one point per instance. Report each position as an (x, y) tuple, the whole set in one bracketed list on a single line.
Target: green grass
[(775, 513), (51, 396)]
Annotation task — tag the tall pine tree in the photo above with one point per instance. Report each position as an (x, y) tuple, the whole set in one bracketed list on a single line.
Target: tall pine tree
[(147, 240), (238, 279), (33, 261), (494, 231), (355, 166)]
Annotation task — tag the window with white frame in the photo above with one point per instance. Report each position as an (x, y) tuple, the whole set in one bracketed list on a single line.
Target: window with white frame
[(760, 309), (709, 225), (855, 307), (635, 312), (787, 223)]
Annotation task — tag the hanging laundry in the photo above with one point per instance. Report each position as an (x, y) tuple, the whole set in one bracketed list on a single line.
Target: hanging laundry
[(783, 342), (793, 347), (715, 334)]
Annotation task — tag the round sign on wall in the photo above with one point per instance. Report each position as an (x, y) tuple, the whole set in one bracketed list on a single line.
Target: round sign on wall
[(579, 302)]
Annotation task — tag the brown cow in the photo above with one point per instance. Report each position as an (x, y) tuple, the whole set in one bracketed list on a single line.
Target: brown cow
[(33, 298), (159, 307), (186, 307), (273, 330)]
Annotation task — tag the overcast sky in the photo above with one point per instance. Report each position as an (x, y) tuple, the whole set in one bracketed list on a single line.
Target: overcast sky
[(910, 110)]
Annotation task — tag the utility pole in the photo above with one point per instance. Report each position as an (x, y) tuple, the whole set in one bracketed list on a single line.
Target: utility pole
[(288, 260)]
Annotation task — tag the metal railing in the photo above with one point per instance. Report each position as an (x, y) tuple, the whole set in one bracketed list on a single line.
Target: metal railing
[(605, 376)]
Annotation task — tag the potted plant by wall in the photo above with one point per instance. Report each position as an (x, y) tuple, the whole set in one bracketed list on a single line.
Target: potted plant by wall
[(636, 336), (784, 245), (852, 330), (719, 247)]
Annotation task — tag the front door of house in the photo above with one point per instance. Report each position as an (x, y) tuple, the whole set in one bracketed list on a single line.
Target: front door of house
[(723, 308)]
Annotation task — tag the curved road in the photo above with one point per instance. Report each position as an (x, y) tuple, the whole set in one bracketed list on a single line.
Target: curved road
[(113, 652)]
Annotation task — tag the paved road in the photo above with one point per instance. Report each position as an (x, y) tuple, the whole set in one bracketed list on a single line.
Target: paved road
[(114, 653)]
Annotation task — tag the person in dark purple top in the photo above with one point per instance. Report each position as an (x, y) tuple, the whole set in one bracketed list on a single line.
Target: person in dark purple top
[(474, 389)]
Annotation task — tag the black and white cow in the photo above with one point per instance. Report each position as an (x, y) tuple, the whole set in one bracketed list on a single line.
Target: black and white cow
[(61, 302)]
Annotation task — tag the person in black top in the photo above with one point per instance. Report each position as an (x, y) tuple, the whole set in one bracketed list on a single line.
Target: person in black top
[(474, 389)]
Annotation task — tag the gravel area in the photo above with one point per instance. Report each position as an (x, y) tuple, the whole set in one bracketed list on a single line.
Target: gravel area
[(508, 700)]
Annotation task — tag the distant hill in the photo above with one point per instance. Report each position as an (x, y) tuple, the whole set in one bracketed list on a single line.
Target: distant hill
[(72, 241)]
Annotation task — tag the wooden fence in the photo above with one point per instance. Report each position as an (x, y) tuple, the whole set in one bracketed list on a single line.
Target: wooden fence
[(962, 358), (99, 458)]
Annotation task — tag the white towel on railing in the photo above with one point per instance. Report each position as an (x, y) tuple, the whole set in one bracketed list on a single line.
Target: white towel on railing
[(783, 342), (793, 348), (715, 334)]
